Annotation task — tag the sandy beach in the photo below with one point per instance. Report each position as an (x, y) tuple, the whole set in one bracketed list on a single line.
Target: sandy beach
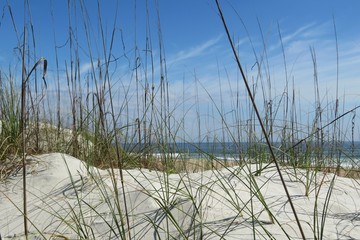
[(67, 200)]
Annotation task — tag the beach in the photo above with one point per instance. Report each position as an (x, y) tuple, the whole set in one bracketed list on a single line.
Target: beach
[(69, 200), (179, 120)]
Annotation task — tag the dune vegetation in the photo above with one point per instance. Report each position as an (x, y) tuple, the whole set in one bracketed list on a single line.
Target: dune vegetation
[(135, 169)]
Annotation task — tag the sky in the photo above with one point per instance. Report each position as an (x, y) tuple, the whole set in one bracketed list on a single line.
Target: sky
[(284, 38)]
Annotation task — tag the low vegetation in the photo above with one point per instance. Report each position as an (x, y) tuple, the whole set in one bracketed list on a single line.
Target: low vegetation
[(90, 124)]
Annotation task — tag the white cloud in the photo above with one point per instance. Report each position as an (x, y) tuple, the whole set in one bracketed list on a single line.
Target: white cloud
[(86, 68), (306, 30), (194, 51)]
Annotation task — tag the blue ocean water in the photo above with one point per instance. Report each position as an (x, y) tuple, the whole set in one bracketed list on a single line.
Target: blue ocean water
[(346, 153)]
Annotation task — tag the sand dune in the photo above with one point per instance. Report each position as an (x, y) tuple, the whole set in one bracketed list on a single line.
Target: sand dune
[(67, 200)]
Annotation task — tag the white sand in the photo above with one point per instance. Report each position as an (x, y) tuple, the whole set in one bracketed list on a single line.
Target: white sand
[(219, 206)]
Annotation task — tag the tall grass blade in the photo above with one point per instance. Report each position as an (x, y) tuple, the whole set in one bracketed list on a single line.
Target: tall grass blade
[(259, 118)]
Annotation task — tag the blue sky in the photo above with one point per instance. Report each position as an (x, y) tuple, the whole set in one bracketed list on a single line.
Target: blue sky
[(196, 48)]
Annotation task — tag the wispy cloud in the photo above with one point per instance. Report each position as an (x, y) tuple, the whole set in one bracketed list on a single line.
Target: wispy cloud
[(195, 51), (300, 69), (85, 68), (304, 31), (302, 37)]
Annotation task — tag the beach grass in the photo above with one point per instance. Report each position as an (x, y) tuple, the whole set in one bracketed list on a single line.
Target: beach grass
[(137, 151)]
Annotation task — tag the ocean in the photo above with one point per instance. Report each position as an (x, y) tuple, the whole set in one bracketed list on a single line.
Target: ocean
[(346, 153)]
